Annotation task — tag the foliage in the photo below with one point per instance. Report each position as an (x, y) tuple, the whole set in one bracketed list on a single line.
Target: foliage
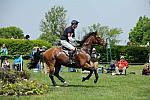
[(129, 87), (11, 32), (133, 54), (113, 34), (140, 34), (18, 83), (23, 47), (49, 37), (23, 88), (105, 32), (54, 23), (12, 76)]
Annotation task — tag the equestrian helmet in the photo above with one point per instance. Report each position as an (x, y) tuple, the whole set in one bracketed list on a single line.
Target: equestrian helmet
[(74, 22)]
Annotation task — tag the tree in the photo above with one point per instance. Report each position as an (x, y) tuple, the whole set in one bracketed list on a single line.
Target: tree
[(12, 31), (140, 34), (54, 23), (104, 32), (113, 34)]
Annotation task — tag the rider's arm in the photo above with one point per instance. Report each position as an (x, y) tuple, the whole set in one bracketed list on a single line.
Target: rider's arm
[(70, 37)]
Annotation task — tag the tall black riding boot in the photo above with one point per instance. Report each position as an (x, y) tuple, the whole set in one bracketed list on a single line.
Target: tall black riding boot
[(70, 57)]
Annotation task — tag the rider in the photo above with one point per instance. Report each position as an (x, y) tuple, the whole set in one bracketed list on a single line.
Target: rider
[(68, 37)]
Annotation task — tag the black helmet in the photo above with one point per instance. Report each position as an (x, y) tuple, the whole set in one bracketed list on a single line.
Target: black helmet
[(74, 22)]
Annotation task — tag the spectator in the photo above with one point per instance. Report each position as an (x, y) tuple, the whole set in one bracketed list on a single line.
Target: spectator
[(43, 49), (94, 57), (121, 66), (38, 56), (34, 50), (72, 70), (3, 53), (146, 69), (111, 67), (18, 63), (5, 64), (62, 68)]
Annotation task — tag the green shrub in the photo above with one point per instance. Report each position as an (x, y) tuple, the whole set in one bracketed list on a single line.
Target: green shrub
[(23, 87), (12, 76), (18, 83), (23, 47), (133, 54)]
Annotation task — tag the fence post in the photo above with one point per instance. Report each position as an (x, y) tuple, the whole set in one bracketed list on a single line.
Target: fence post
[(21, 62)]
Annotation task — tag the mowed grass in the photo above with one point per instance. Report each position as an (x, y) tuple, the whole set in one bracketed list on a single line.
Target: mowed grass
[(108, 87)]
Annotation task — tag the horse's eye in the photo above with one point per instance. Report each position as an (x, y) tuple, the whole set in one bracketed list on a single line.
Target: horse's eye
[(98, 37)]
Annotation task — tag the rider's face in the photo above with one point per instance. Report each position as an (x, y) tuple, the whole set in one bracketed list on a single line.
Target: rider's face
[(74, 26)]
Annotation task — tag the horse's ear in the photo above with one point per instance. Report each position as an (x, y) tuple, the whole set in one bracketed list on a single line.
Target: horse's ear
[(95, 32)]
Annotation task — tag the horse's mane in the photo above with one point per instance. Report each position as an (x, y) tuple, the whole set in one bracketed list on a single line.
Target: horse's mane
[(87, 36)]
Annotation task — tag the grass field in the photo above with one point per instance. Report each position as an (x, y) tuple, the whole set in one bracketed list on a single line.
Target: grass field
[(108, 87)]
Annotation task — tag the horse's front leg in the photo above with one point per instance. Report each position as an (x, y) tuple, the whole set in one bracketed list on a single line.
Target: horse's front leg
[(96, 71), (87, 77), (96, 75), (89, 68)]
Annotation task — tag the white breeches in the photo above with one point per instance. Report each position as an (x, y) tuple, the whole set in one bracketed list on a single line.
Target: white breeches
[(67, 44)]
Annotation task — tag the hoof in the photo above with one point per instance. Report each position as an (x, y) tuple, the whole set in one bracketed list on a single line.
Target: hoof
[(57, 86), (83, 79), (95, 81), (65, 83)]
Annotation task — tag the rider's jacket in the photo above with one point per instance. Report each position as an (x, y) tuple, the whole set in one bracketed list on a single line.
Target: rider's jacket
[(69, 32)]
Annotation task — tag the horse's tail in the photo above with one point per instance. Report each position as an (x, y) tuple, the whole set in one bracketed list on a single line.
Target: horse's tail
[(41, 57), (43, 64)]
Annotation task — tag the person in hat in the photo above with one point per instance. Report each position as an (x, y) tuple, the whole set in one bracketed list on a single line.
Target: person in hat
[(94, 57), (146, 69), (121, 66), (43, 49), (18, 63), (67, 38), (3, 53), (6, 64)]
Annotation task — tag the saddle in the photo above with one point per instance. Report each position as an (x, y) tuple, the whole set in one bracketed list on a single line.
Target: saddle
[(65, 49), (70, 54)]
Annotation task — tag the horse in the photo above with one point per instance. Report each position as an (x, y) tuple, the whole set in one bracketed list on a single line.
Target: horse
[(55, 57)]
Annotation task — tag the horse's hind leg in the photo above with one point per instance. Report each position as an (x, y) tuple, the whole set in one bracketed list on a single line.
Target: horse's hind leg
[(61, 79), (57, 69), (51, 75), (52, 79)]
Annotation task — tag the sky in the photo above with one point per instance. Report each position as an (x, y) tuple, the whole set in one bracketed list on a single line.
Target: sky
[(27, 14)]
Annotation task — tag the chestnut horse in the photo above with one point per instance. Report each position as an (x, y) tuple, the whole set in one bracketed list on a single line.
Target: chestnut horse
[(55, 57)]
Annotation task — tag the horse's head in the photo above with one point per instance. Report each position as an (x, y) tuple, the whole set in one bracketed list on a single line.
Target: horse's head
[(93, 38), (98, 40)]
